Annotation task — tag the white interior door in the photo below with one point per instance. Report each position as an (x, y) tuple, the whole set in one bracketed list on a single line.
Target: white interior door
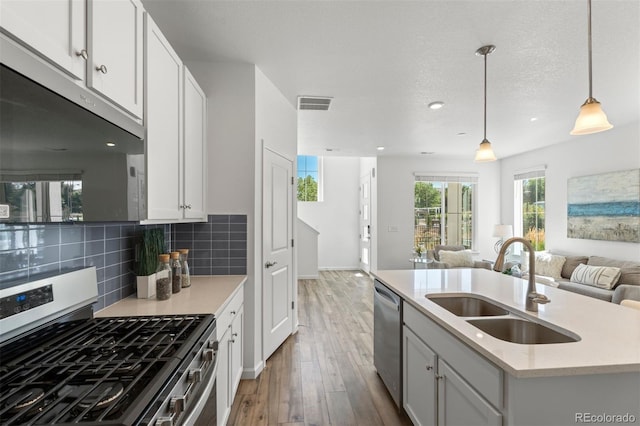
[(277, 253), (365, 222)]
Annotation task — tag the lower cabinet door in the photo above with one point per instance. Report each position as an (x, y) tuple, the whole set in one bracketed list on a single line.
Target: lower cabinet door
[(419, 372), (460, 404), (236, 350), (222, 379)]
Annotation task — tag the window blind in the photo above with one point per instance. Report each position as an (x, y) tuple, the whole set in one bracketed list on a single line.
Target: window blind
[(446, 178), (530, 174)]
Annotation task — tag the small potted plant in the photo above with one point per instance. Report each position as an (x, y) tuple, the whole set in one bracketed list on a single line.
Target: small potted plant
[(419, 249), (149, 246)]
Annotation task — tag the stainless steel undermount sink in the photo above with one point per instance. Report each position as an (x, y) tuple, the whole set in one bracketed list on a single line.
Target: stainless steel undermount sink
[(467, 306), (516, 330)]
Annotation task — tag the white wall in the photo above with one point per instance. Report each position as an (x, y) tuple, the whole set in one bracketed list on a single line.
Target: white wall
[(306, 250), (231, 126), (616, 149), (336, 217), (276, 129), (244, 109), (395, 176)]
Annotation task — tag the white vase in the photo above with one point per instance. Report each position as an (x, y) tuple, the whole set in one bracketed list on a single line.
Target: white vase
[(146, 286)]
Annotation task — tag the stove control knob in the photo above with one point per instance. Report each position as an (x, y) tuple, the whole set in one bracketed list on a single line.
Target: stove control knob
[(176, 405), (207, 355), (195, 375)]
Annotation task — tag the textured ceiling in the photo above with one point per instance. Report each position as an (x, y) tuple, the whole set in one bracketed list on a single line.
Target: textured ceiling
[(384, 61)]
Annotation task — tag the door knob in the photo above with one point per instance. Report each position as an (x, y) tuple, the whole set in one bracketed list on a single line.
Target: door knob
[(268, 264)]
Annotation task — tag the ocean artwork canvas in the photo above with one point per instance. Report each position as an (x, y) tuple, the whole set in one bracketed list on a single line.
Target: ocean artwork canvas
[(604, 206)]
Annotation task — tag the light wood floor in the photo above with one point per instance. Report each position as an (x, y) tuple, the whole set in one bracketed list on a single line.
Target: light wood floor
[(324, 374)]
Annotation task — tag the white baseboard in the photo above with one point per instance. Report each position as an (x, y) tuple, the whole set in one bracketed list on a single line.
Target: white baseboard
[(308, 277), (339, 268), (253, 373)]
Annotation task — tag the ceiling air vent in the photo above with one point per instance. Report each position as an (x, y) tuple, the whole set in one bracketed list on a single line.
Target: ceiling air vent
[(315, 103)]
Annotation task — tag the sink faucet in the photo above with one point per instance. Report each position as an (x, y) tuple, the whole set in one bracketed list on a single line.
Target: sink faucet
[(532, 298)]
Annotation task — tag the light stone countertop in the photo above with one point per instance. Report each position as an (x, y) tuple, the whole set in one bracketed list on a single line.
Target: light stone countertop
[(208, 294), (610, 333)]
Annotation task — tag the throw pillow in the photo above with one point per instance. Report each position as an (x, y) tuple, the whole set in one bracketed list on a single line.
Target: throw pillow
[(456, 259), (599, 276), (571, 263), (549, 265)]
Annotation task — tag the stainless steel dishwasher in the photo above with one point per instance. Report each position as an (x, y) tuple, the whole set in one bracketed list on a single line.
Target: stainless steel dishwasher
[(387, 339)]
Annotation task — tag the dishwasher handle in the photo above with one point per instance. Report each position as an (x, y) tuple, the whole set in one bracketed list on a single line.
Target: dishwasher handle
[(384, 296)]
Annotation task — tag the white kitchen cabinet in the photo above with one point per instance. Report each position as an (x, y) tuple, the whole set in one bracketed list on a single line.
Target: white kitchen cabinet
[(468, 386), (54, 29), (193, 172), (230, 327), (419, 385), (114, 40), (236, 351), (459, 403), (163, 118)]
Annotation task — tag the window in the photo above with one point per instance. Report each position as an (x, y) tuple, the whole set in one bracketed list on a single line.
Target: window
[(309, 175), (444, 210), (529, 188)]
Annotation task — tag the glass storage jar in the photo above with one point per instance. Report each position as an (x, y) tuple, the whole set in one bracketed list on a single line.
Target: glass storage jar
[(176, 272), (163, 278), (186, 276)]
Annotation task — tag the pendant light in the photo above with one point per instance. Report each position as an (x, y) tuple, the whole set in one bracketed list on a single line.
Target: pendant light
[(485, 153), (591, 118)]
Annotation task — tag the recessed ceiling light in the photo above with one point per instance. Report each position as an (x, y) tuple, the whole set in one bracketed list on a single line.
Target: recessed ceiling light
[(111, 144), (534, 119), (436, 105), (380, 148), (427, 152), (461, 134)]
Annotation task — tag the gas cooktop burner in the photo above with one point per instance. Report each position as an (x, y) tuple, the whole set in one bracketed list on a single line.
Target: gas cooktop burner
[(100, 397), (24, 399)]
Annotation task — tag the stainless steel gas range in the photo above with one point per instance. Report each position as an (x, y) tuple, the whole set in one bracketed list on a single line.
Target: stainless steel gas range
[(59, 365)]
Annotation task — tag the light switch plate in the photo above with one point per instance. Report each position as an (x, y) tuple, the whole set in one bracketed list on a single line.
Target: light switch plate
[(4, 211)]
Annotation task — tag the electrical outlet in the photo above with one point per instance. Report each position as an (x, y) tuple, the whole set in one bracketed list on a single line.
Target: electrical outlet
[(4, 211)]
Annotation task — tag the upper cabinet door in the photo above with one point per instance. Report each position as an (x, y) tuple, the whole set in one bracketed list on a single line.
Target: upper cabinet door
[(114, 37), (54, 29), (193, 169), (163, 97)]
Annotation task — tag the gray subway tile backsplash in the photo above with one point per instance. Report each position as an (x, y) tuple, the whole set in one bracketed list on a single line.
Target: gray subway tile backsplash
[(27, 250), (210, 243)]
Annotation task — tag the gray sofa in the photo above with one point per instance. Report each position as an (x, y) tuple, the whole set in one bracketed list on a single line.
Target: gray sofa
[(434, 257), (627, 287)]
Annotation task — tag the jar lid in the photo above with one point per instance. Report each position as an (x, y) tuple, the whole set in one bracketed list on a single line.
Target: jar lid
[(175, 255), (163, 257), (183, 251)]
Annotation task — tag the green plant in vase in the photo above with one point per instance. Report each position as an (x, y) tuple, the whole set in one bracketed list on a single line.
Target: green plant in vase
[(150, 244), (419, 249)]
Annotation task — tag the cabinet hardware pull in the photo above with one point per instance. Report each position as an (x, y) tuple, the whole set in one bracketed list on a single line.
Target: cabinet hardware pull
[(268, 264), (439, 377), (429, 367), (102, 69), (232, 312), (83, 54), (235, 334)]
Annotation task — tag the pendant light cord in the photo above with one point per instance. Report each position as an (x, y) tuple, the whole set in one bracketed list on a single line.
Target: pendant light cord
[(485, 97), (589, 44)]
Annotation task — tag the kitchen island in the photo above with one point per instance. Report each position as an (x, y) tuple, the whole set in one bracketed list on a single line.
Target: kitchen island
[(501, 382)]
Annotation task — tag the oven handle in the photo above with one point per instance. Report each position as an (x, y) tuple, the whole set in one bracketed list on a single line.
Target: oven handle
[(196, 408)]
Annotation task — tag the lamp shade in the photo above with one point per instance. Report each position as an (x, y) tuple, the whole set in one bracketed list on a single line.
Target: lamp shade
[(484, 153), (591, 119), (503, 231)]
